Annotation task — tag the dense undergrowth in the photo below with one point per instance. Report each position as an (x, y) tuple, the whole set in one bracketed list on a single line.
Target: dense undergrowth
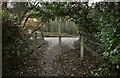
[(16, 46), (99, 24)]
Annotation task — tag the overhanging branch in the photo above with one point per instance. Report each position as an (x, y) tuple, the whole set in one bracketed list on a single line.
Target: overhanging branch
[(27, 11)]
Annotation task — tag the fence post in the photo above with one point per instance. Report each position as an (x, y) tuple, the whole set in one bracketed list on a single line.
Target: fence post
[(82, 47), (35, 44)]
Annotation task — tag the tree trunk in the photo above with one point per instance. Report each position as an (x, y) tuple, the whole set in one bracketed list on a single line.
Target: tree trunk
[(48, 26), (66, 24)]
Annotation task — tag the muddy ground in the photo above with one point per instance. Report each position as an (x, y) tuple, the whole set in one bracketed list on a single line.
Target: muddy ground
[(60, 60)]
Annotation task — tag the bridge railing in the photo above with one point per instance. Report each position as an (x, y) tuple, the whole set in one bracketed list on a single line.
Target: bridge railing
[(93, 44)]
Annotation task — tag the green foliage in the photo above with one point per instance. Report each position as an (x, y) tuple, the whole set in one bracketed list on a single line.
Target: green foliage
[(99, 23), (109, 34), (15, 44)]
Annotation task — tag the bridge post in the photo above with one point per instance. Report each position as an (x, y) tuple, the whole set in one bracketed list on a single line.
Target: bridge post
[(59, 30)]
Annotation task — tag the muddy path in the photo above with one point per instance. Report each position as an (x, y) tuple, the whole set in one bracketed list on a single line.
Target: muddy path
[(52, 54), (60, 59), (64, 59)]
